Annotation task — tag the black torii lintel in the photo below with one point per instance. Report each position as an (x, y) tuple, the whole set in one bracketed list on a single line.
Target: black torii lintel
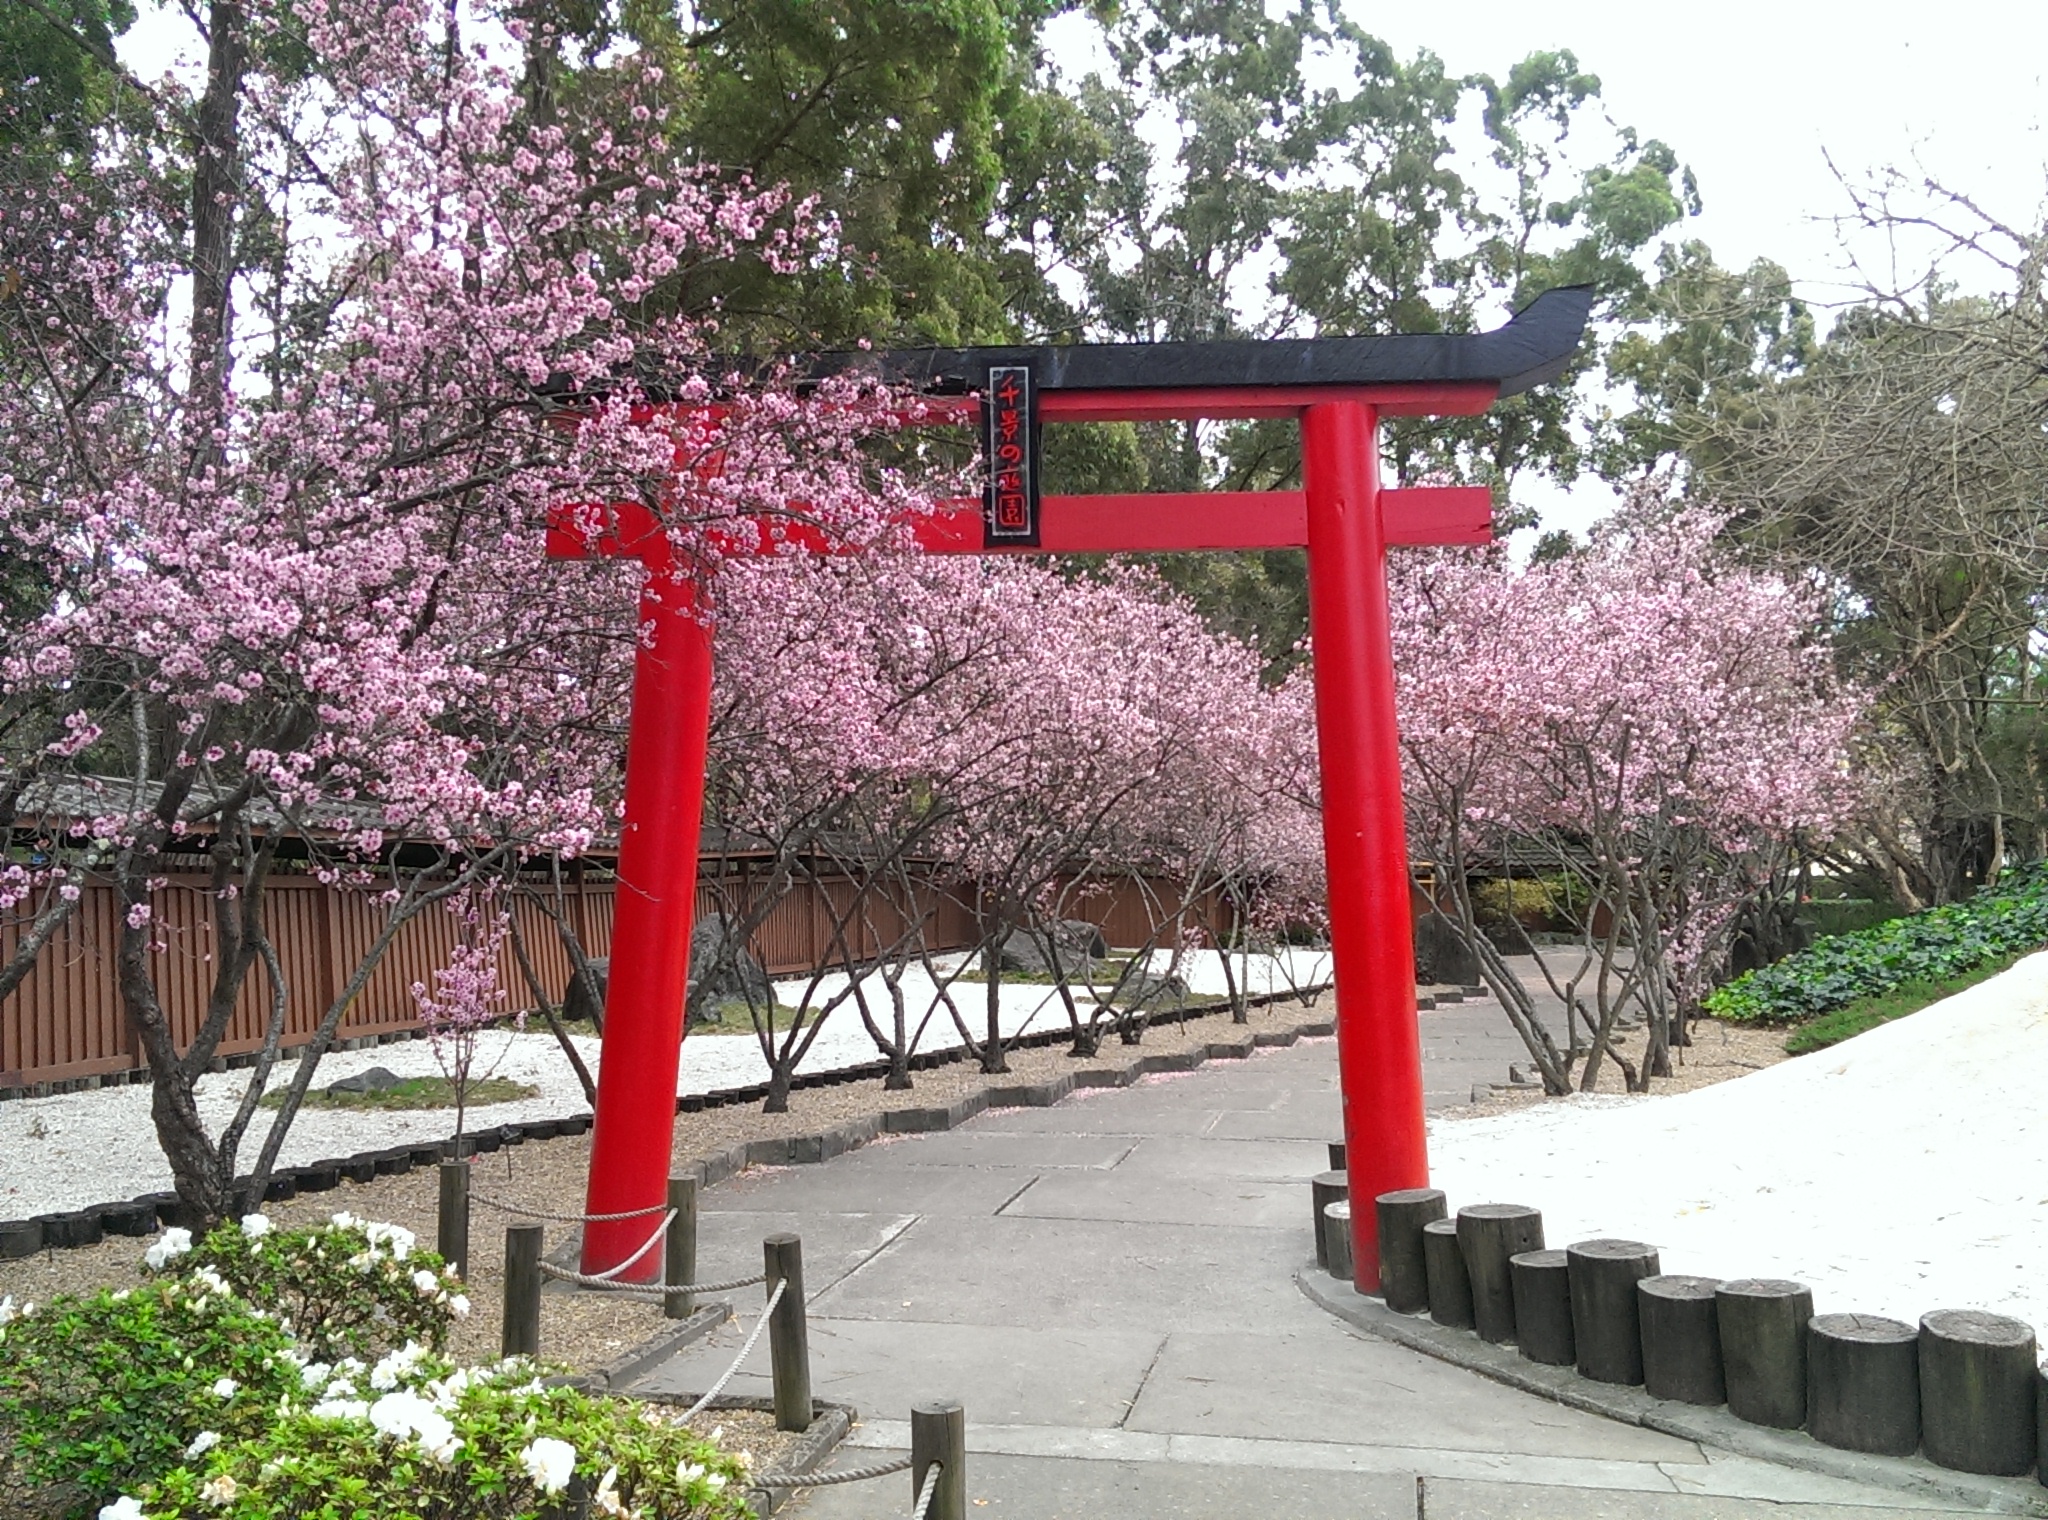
[(1535, 346)]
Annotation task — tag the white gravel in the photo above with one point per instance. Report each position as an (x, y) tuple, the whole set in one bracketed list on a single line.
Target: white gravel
[(83, 1148), (1902, 1171)]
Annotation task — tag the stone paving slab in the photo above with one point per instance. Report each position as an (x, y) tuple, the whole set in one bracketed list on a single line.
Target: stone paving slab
[(1008, 1374), (1051, 1467), (1306, 1385), (729, 1245), (1108, 1273), (829, 1189), (1042, 1488), (1227, 1203), (1284, 1160), (991, 1144), (1106, 1112)]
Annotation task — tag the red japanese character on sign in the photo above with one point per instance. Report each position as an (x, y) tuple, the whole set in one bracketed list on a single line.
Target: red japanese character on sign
[(1009, 446)]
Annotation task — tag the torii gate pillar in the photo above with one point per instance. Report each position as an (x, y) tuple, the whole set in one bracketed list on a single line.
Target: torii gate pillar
[(1365, 838)]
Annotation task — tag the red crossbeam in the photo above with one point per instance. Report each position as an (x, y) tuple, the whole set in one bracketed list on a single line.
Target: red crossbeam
[(1134, 524)]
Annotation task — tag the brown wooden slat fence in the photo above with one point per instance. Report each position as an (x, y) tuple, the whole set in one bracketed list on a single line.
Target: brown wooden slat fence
[(65, 1020)]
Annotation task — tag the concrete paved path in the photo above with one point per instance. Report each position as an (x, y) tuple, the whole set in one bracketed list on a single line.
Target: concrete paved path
[(1108, 1286)]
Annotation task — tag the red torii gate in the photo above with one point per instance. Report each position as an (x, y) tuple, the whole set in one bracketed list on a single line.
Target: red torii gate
[(1339, 388)]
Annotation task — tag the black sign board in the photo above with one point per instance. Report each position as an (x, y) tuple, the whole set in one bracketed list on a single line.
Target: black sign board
[(1009, 446)]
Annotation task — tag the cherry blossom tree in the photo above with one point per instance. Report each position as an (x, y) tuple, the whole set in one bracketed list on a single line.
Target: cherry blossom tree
[(298, 366), (466, 998), (1646, 717)]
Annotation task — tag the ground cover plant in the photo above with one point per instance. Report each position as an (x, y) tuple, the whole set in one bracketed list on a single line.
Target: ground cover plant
[(1854, 1018), (269, 1372), (1951, 941)]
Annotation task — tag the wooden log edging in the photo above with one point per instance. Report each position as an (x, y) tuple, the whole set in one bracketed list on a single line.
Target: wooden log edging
[(1784, 1366), (1709, 1426), (65, 1228)]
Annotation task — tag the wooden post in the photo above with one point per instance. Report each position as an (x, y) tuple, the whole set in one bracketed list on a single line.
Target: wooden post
[(680, 1261), (1763, 1349), (1863, 1383), (1324, 1189), (1543, 1307), (938, 1433), (1606, 1322), (1450, 1290), (1977, 1381), (451, 1232), (1400, 1217), (789, 1350), (1681, 1339), (522, 1291), (1488, 1234), (1337, 1236)]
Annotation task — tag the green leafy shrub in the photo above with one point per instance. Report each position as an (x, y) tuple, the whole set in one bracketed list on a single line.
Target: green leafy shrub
[(185, 1398), (346, 1288), (1847, 915), (101, 1394), (1552, 903), (458, 1446), (1935, 945)]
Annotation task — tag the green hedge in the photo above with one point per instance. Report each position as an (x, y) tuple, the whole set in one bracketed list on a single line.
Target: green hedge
[(1939, 943)]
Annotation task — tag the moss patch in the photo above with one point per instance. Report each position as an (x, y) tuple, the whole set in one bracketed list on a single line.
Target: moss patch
[(415, 1092)]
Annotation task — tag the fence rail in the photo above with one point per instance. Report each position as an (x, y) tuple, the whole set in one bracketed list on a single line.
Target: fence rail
[(65, 1020)]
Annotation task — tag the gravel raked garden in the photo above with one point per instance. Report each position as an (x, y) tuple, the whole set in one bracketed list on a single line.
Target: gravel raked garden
[(79, 1149)]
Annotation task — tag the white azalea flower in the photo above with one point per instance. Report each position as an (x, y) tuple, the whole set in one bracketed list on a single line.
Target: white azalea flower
[(549, 1462), (341, 1409), (8, 1313), (460, 1304), (225, 1388), (607, 1497), (688, 1473), (202, 1443), (391, 1371), (220, 1491), (399, 1414), (427, 1283), (714, 1481), (399, 1238), (344, 1220), (123, 1508), (175, 1241), (255, 1226), (213, 1281), (314, 1374)]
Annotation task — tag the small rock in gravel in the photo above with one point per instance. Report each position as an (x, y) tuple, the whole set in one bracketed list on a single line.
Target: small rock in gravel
[(376, 1079)]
